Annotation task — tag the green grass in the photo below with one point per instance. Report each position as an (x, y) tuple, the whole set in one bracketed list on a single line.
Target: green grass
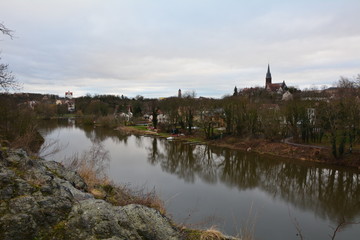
[(189, 138), (195, 139), (165, 135), (192, 234), (140, 127), (325, 142), (69, 115)]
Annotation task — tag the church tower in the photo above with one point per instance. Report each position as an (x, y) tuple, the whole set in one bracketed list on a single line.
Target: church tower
[(268, 77)]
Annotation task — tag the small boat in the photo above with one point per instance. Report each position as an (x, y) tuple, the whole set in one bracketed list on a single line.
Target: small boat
[(170, 138)]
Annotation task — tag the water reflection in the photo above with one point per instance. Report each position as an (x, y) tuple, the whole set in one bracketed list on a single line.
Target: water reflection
[(95, 134), (329, 192)]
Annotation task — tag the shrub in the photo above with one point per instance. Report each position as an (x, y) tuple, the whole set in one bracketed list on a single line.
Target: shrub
[(88, 120), (18, 126), (107, 121)]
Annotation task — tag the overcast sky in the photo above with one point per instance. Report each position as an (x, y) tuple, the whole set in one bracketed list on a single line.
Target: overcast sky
[(155, 47)]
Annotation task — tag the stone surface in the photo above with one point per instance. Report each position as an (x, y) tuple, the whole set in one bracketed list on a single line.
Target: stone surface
[(42, 200)]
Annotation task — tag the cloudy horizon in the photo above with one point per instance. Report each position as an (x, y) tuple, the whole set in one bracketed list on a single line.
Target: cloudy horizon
[(153, 48)]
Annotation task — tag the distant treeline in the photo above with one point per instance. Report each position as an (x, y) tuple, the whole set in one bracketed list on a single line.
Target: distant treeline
[(328, 116)]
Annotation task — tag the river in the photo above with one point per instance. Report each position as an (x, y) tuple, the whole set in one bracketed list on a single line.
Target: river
[(205, 186)]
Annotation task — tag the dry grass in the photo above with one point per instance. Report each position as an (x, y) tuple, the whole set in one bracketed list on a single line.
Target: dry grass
[(122, 195), (209, 234), (91, 167), (212, 234), (91, 177), (247, 231), (30, 140)]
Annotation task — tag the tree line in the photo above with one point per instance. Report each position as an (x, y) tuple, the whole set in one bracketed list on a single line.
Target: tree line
[(310, 117)]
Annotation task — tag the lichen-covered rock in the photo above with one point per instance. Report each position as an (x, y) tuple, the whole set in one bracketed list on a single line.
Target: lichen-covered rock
[(70, 176), (140, 216), (99, 219), (43, 200)]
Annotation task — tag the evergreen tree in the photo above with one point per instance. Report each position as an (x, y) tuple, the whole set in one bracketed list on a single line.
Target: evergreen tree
[(235, 91)]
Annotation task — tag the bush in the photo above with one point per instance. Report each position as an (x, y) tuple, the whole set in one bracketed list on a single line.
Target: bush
[(107, 121), (88, 120), (18, 126)]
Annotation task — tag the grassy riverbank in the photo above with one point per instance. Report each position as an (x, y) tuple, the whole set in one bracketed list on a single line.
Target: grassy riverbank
[(308, 153), (318, 154)]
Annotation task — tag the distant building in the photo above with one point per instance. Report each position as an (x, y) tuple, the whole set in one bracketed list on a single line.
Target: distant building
[(311, 112), (32, 104), (69, 95), (274, 87), (70, 101), (287, 96), (179, 93), (59, 102)]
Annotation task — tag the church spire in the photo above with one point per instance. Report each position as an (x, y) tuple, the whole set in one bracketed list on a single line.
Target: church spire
[(268, 76)]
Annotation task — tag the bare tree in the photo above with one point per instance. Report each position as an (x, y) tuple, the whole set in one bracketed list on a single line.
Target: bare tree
[(6, 31), (7, 79)]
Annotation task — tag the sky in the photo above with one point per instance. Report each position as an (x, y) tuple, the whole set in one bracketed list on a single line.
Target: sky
[(155, 47)]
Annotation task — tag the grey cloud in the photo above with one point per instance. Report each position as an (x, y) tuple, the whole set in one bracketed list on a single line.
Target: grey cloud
[(144, 47)]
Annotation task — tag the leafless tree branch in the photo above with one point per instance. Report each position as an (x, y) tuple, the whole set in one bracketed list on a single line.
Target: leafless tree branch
[(6, 31), (342, 224), (7, 79)]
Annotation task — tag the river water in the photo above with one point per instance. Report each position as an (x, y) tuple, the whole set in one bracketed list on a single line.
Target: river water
[(205, 186)]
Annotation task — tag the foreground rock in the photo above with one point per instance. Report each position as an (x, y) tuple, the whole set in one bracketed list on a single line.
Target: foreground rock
[(41, 200)]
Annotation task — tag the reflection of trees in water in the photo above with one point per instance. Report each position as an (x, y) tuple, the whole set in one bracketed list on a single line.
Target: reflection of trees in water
[(330, 192), (95, 134), (154, 155), (179, 159), (238, 169), (139, 141), (99, 134), (207, 158), (48, 126)]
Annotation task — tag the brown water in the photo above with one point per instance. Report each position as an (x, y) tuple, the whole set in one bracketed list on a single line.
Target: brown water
[(204, 186)]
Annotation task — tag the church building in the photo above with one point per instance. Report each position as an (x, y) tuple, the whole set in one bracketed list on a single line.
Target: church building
[(274, 87)]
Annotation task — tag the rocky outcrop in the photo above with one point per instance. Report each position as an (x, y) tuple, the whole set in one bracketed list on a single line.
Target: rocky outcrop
[(42, 200)]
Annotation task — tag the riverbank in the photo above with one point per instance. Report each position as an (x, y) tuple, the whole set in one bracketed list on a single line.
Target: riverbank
[(298, 152)]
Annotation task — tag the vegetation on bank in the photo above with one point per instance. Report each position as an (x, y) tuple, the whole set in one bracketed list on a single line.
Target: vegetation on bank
[(302, 152), (328, 119), (256, 120)]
